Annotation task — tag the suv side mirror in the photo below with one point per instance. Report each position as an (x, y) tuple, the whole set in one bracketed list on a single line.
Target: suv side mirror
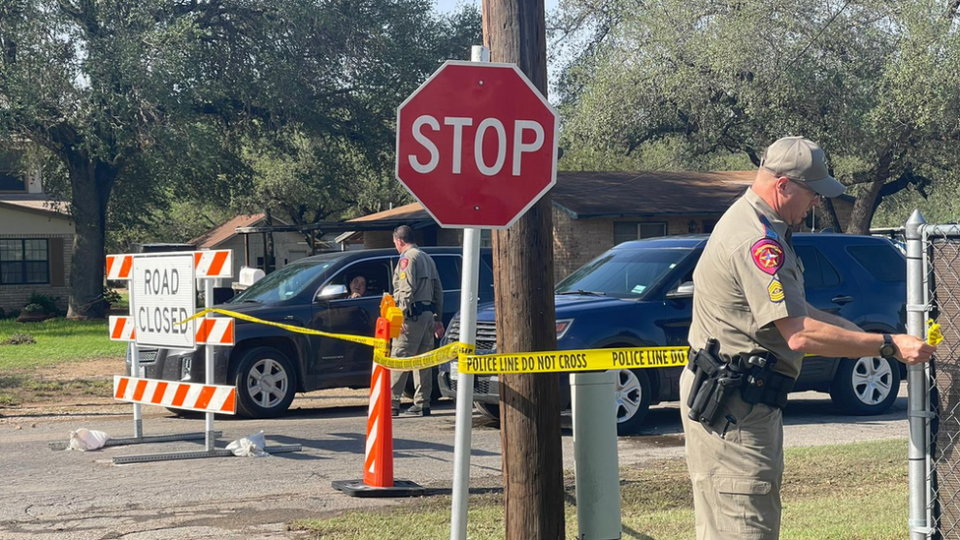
[(332, 291), (685, 290)]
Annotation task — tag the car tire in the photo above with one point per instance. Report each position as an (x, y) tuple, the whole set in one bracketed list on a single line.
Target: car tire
[(632, 400), (865, 386), (489, 411), (266, 383), (408, 390)]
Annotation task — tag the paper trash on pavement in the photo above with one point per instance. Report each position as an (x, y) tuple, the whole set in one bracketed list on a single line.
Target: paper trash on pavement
[(249, 446), (84, 439)]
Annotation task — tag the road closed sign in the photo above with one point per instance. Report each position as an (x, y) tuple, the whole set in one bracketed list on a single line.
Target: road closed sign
[(162, 296)]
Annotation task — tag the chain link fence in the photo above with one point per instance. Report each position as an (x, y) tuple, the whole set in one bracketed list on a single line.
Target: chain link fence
[(941, 249)]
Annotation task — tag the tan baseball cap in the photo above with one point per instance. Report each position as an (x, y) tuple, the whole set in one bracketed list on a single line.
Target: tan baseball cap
[(802, 160)]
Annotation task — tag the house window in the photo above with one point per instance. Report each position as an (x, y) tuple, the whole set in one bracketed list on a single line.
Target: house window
[(11, 172), (24, 261), (624, 231)]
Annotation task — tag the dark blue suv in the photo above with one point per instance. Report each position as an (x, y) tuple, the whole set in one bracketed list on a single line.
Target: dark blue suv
[(639, 294)]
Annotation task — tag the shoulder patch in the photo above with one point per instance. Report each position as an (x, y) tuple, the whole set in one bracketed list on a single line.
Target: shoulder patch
[(775, 289), (404, 262), (767, 254)]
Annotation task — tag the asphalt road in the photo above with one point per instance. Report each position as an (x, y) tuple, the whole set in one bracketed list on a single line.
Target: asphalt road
[(80, 496)]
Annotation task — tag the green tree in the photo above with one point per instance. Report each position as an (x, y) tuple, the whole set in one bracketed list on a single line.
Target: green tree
[(873, 82), (154, 100)]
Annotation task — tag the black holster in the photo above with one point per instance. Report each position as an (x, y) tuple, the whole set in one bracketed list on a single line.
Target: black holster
[(762, 384), (715, 380), (416, 309)]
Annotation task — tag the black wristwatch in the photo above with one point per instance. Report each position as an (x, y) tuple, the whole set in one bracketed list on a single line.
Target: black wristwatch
[(888, 350)]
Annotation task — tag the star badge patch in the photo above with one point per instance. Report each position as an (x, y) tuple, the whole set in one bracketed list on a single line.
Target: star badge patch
[(767, 255)]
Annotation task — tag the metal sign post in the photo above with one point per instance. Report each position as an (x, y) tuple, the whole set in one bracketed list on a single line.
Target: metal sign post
[(469, 291)]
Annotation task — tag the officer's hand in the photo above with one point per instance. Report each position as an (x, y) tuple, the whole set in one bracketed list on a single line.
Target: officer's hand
[(438, 329), (911, 349)]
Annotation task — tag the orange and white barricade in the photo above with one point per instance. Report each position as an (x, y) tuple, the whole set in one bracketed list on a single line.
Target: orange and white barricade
[(162, 284)]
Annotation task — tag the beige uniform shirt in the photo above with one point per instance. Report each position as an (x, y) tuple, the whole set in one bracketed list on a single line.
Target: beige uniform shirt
[(748, 277), (415, 279)]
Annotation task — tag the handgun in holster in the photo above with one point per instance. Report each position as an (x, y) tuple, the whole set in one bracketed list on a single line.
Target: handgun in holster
[(715, 381)]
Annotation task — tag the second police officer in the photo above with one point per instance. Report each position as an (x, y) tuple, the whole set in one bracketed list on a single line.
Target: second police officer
[(419, 294)]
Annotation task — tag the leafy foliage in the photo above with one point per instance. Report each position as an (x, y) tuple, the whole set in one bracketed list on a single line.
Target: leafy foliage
[(144, 107), (694, 81)]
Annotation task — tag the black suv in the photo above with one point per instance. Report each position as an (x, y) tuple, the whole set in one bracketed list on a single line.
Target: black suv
[(269, 364), (639, 294)]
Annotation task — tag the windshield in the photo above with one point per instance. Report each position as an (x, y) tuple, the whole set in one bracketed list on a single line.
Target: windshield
[(623, 273), (284, 283)]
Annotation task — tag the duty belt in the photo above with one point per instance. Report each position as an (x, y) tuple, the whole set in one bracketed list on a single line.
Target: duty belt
[(717, 376)]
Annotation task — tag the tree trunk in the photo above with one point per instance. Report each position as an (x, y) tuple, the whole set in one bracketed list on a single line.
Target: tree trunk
[(827, 216), (514, 31), (864, 206), (91, 182)]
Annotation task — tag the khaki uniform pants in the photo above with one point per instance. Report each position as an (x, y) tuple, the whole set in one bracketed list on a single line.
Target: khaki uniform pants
[(736, 469), (415, 338)]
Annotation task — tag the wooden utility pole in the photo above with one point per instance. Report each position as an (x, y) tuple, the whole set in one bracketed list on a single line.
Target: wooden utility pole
[(515, 32)]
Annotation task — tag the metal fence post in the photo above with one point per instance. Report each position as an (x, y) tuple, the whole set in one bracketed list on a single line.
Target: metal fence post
[(916, 381)]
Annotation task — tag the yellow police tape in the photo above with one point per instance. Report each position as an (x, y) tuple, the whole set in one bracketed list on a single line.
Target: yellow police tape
[(540, 362), (426, 360), (363, 340), (578, 360), (536, 362)]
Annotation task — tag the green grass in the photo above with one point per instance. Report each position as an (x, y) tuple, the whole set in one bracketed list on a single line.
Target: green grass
[(58, 340), (849, 492)]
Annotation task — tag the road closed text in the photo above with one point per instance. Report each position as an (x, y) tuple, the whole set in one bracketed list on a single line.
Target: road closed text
[(162, 319)]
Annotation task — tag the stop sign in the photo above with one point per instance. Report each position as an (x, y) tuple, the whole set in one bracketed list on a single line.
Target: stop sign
[(477, 144)]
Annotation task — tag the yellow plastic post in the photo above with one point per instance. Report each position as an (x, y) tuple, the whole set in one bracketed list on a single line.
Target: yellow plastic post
[(386, 303), (395, 316)]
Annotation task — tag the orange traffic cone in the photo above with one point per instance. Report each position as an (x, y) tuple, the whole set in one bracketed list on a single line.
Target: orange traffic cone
[(378, 478), (378, 460)]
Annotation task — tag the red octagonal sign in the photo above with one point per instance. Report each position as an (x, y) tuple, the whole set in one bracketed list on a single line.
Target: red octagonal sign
[(477, 144)]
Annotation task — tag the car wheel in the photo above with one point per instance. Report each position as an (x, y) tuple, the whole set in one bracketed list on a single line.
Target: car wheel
[(633, 400), (435, 395), (265, 382), (865, 386), (490, 411)]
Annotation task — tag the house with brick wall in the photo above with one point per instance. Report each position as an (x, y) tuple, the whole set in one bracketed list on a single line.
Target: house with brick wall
[(36, 240), (594, 211)]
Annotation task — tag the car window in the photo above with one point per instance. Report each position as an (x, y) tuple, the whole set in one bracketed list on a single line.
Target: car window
[(881, 260), (284, 283), (376, 273), (486, 269), (448, 266), (818, 272), (624, 273)]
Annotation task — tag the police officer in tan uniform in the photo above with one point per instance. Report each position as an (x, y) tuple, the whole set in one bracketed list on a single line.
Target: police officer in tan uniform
[(418, 292), (751, 328)]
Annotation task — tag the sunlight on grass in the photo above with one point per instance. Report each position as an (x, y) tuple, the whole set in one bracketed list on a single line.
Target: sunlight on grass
[(58, 340)]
